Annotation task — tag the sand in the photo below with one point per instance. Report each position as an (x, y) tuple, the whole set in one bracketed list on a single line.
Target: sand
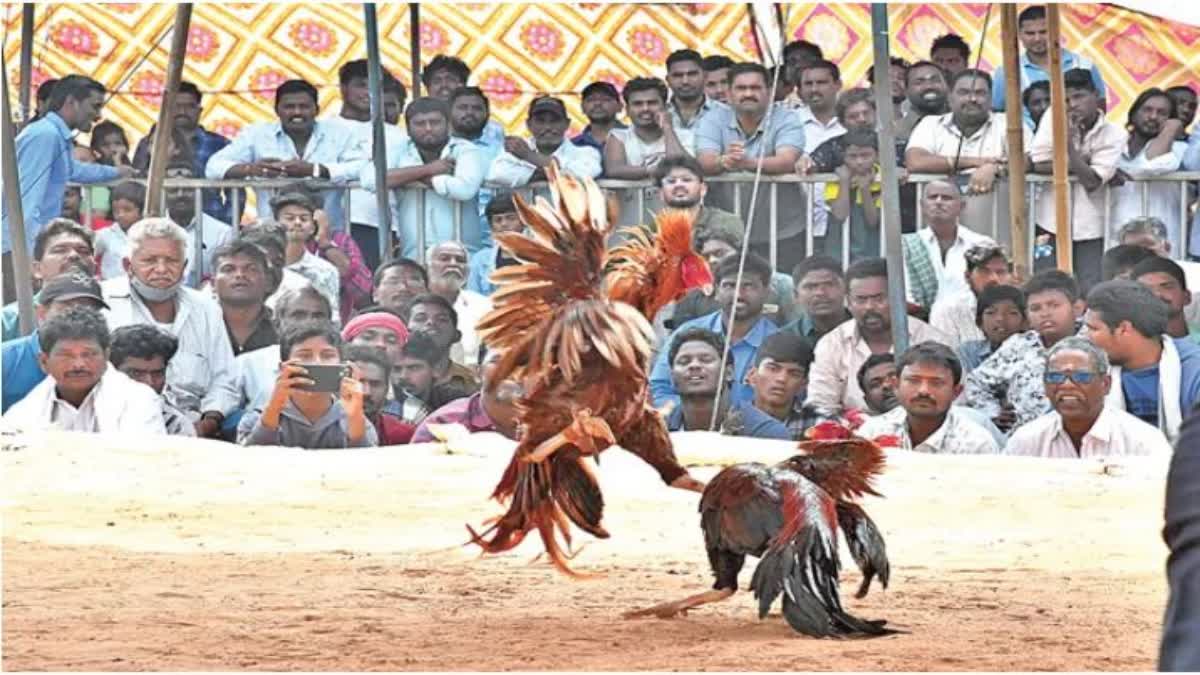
[(126, 554)]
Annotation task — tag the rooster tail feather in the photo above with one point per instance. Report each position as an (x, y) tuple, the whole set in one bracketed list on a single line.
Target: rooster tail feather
[(866, 545)]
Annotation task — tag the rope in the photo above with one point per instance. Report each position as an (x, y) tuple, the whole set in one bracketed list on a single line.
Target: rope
[(978, 59)]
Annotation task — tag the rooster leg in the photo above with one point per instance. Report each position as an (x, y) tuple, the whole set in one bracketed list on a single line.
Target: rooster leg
[(670, 610), (582, 433)]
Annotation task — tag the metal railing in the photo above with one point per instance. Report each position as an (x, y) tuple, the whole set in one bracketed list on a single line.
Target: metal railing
[(737, 186)]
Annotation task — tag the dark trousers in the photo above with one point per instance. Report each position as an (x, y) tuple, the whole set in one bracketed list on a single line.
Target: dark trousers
[(367, 238), (1085, 256), (790, 252), (1180, 650)]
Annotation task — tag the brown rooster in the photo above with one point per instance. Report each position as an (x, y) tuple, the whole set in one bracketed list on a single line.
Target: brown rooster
[(787, 515), (578, 340)]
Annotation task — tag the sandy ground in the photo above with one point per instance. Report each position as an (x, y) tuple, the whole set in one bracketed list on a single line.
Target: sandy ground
[(123, 555)]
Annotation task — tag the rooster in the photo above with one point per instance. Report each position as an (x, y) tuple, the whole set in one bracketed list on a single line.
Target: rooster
[(787, 515), (571, 320)]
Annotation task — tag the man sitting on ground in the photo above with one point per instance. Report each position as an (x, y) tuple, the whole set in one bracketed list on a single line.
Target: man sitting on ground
[(373, 370), (448, 277), (779, 377), (242, 284), (879, 379), (398, 282), (143, 353), (490, 409), (999, 315), (434, 316), (930, 380), (1165, 278), (820, 298), (414, 381), (61, 245), (1081, 424), (987, 265)]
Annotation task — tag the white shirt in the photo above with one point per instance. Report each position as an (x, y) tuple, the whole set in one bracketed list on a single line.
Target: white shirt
[(117, 404), (363, 207), (112, 246), (201, 376), (213, 234), (954, 315), (1162, 197), (471, 307), (1115, 433), (257, 372), (322, 275), (642, 154), (1101, 148), (291, 279), (939, 135), (511, 172), (958, 434), (951, 271), (817, 132)]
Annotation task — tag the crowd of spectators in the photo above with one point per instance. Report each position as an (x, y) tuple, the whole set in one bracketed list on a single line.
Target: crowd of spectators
[(289, 326)]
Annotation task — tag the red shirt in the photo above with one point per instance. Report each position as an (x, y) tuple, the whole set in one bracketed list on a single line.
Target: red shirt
[(393, 431)]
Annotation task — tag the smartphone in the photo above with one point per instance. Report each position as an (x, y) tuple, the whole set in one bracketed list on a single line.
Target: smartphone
[(327, 379)]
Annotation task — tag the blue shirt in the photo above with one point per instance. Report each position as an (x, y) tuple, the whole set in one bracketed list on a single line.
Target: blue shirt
[(10, 320), (46, 163), (743, 419), (22, 372), (662, 387), (205, 144), (1140, 387), (1032, 72), (586, 139), (483, 263), (490, 144)]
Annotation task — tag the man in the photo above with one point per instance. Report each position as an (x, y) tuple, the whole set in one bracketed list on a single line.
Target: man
[(685, 76), (434, 316), (492, 408), (21, 356), (1008, 386), (1035, 37), (269, 236), (1166, 280), (62, 245), (855, 111), (414, 381), (444, 76), (381, 331), (927, 91), (1179, 652), (373, 371), (601, 104), (986, 265), (204, 144), (355, 116), (734, 138), (299, 418), (935, 263), (398, 282), (820, 296), (879, 379), (181, 207), (897, 76), (832, 386), (969, 140), (448, 278), (820, 82), (779, 377), (297, 213), (797, 55), (1081, 424), (1118, 262), (695, 358), (297, 146), (926, 421), (951, 53), (241, 288), (750, 327), (142, 353), (47, 163), (634, 154), (1151, 233), (716, 246), (999, 314), (1036, 98), (438, 178), (1093, 148), (525, 160), (82, 393), (716, 77), (469, 110), (502, 218), (1185, 105), (681, 185), (1159, 376), (1152, 150), (201, 379)]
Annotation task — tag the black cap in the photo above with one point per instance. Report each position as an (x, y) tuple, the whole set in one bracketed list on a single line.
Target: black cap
[(605, 88), (69, 286), (548, 104)]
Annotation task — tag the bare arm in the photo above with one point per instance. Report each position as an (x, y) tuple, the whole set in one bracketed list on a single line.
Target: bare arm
[(616, 162)]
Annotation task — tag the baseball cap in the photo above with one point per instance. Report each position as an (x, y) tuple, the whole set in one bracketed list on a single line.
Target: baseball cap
[(547, 104), (605, 88), (69, 286)]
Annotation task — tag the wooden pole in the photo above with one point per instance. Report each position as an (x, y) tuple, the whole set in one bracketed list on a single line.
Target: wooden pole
[(16, 212), (414, 46), (1058, 117), (1016, 142), (897, 298), (26, 64), (378, 138), (159, 150)]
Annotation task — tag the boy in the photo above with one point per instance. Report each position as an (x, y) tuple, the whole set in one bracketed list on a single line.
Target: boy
[(295, 417), (143, 352), (501, 214), (854, 199), (999, 314)]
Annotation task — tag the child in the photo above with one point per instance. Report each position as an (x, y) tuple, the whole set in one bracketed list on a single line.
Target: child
[(109, 146), (296, 417), (857, 176), (112, 243), (501, 214)]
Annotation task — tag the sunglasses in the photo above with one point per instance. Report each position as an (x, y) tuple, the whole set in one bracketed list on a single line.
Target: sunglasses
[(1059, 377)]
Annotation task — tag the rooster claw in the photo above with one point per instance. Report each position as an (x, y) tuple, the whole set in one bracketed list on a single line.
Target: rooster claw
[(659, 611)]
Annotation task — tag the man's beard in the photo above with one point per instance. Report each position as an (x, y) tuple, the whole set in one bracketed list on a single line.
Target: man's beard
[(470, 132), (683, 203), (929, 106)]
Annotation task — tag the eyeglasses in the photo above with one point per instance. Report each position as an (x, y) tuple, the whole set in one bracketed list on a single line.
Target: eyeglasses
[(1059, 377)]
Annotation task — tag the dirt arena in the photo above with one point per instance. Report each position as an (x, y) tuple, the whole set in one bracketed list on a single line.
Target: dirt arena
[(128, 555)]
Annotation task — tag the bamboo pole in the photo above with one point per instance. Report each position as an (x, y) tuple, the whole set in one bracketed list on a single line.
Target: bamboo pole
[(897, 298), (1058, 117), (16, 212), (378, 138), (159, 150), (414, 46), (26, 64), (1016, 141)]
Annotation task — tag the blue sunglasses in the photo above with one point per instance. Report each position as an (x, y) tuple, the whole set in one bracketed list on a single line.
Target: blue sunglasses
[(1059, 377)]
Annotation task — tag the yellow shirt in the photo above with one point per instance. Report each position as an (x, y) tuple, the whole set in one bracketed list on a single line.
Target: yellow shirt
[(834, 188)]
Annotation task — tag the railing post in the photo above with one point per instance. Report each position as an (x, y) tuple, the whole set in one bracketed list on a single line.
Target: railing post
[(774, 243)]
